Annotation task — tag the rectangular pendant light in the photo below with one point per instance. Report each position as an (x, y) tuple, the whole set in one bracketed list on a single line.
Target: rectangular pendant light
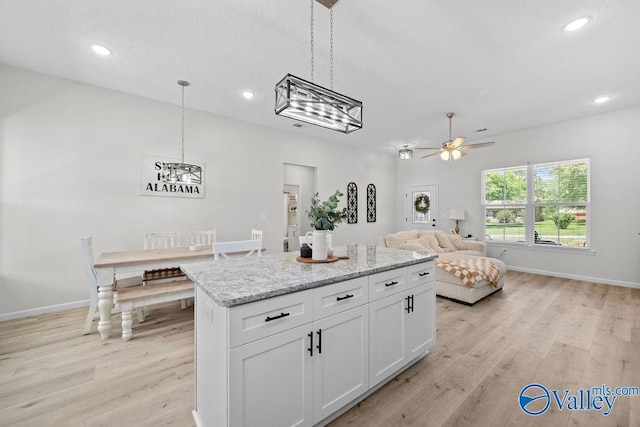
[(307, 102)]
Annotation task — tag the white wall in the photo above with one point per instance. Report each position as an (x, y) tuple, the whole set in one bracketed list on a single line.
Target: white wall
[(70, 168), (610, 140)]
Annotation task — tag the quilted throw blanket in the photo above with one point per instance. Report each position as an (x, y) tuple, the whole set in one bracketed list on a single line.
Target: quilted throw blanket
[(471, 271)]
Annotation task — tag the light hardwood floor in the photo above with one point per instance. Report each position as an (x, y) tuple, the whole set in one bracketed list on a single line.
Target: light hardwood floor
[(564, 334)]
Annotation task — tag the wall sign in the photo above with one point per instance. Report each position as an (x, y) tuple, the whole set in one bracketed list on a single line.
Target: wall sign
[(152, 183)]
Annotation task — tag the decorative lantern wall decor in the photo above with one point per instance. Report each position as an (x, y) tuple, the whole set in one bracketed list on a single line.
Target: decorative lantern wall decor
[(352, 203), (371, 203)]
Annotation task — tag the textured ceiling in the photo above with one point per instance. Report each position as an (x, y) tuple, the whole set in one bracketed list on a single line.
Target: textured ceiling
[(503, 65)]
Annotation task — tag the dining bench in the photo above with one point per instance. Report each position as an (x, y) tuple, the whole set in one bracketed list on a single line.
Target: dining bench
[(144, 295)]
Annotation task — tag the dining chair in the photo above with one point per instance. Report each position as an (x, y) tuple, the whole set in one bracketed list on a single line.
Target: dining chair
[(88, 260), (256, 234), (161, 240), (222, 249), (201, 237)]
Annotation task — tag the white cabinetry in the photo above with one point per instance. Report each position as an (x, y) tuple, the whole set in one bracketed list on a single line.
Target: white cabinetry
[(296, 359), (402, 325), (270, 379)]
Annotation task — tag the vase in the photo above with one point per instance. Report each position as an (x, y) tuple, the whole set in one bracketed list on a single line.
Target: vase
[(318, 244)]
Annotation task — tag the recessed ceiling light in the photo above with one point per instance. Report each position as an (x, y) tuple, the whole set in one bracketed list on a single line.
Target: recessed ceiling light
[(100, 50), (576, 25), (601, 99), (248, 94)]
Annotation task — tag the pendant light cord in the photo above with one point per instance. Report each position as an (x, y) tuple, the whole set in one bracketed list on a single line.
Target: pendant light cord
[(331, 49), (330, 46), (312, 39), (183, 83), (182, 124)]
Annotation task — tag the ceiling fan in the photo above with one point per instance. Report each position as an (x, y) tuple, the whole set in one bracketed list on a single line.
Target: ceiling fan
[(453, 149)]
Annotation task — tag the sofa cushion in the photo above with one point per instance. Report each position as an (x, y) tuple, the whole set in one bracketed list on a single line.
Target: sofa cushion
[(444, 242)]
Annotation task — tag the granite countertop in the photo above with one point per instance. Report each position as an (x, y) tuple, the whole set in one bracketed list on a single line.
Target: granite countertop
[(236, 281)]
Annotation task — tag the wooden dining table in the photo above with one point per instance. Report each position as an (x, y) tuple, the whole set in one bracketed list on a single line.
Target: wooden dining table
[(110, 264)]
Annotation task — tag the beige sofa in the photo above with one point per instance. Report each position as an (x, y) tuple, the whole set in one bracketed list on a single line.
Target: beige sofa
[(449, 247)]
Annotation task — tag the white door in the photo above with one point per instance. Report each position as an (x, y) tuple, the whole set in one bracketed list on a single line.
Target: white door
[(387, 334), (421, 207), (341, 364), (270, 381), (421, 320)]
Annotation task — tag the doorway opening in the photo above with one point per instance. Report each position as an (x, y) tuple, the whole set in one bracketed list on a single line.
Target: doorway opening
[(298, 188)]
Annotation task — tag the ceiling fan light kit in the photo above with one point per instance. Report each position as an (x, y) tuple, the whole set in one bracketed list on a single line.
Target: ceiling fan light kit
[(405, 153), (453, 148), (308, 102), (181, 173)]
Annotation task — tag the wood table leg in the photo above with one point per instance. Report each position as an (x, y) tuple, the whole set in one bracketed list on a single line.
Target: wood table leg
[(127, 332), (105, 304)]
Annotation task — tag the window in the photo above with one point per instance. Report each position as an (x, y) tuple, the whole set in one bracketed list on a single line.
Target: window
[(542, 204)]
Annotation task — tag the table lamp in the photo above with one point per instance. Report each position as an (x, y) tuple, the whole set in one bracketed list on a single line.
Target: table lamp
[(458, 215)]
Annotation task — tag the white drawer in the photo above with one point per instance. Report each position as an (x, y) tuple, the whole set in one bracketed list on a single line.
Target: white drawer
[(422, 273), (249, 322), (387, 283), (342, 296)]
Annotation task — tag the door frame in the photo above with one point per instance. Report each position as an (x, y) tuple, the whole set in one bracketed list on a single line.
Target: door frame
[(431, 221)]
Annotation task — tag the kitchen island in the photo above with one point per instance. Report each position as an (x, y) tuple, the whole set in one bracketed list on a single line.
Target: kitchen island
[(280, 342)]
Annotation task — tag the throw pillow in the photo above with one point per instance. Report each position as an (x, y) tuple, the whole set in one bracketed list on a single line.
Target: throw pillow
[(429, 242), (457, 242), (444, 242), (407, 235), (394, 241), (408, 246)]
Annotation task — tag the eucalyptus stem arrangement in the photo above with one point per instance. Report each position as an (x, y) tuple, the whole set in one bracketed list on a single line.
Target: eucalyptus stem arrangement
[(326, 215)]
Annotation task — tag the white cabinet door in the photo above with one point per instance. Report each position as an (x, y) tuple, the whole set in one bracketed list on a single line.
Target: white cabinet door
[(270, 381), (340, 360), (387, 350), (421, 320)]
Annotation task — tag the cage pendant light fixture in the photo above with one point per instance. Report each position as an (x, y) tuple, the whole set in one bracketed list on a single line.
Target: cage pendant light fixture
[(308, 102), (182, 173)]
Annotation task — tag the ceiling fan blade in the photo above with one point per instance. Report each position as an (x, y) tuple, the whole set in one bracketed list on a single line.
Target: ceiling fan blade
[(429, 155), (427, 148), (479, 145), (457, 142)]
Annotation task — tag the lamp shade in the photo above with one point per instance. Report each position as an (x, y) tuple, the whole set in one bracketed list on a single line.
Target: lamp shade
[(456, 214)]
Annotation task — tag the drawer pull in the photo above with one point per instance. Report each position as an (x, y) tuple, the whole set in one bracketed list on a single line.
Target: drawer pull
[(391, 284), (280, 316), (426, 273), (347, 296)]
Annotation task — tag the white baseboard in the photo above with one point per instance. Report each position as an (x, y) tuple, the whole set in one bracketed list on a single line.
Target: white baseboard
[(43, 310), (576, 277)]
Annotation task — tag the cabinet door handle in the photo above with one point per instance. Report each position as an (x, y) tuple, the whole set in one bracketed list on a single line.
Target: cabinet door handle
[(426, 273), (319, 346), (408, 298), (310, 335), (411, 303), (391, 284), (347, 296), (280, 316)]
